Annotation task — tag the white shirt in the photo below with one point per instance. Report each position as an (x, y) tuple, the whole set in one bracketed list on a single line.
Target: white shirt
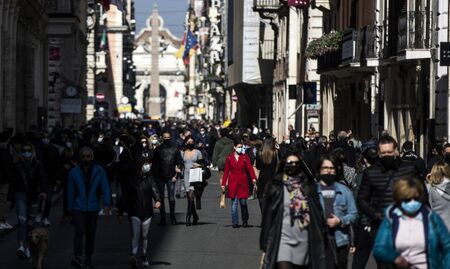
[(410, 242)]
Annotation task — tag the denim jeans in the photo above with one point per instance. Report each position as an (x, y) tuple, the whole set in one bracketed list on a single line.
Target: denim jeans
[(24, 213), (234, 210), (170, 195), (3, 201)]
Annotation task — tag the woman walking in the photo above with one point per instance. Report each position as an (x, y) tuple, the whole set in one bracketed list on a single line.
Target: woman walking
[(266, 163), (29, 185), (237, 167), (439, 191), (293, 231), (190, 156), (138, 193), (428, 248)]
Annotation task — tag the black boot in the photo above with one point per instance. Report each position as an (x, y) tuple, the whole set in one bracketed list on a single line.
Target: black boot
[(188, 213), (244, 212), (194, 214), (198, 202), (162, 214), (173, 220)]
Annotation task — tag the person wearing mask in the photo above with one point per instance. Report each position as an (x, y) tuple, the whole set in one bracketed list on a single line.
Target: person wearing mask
[(29, 187), (375, 192), (87, 183), (237, 167), (165, 167), (6, 162), (69, 161), (48, 155), (266, 163), (438, 186), (144, 152), (411, 234), (446, 153), (203, 143), (339, 208), (190, 156), (137, 201), (293, 233)]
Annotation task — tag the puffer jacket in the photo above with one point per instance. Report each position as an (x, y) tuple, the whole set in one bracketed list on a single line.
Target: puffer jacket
[(373, 196), (222, 149)]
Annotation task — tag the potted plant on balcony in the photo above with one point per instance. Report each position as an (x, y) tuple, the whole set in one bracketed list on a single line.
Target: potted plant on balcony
[(326, 44)]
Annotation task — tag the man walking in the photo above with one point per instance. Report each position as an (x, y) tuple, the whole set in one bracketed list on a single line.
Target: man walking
[(87, 184), (165, 167), (375, 193), (5, 177)]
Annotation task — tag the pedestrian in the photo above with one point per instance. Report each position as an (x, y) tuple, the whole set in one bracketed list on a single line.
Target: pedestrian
[(409, 155), (190, 156), (439, 191), (237, 166), (48, 155), (411, 234), (375, 192), (166, 165), (29, 186), (6, 162), (266, 164), (339, 207), (348, 174), (293, 231), (69, 161), (138, 193), (86, 185), (222, 148)]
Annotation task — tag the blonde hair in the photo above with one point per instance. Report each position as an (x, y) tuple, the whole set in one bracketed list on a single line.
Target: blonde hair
[(439, 171), (407, 188)]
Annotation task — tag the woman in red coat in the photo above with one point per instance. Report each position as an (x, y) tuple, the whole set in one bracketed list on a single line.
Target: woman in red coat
[(237, 169)]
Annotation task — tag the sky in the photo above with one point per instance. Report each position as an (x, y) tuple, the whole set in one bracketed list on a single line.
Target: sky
[(172, 11)]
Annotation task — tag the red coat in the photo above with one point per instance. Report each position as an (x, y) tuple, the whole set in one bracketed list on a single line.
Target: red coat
[(236, 174)]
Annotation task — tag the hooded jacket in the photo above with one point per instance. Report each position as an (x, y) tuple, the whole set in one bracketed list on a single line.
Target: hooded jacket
[(222, 149), (439, 197)]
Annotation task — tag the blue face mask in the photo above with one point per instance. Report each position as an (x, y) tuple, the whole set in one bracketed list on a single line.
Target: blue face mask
[(46, 141), (240, 151), (27, 155), (411, 207)]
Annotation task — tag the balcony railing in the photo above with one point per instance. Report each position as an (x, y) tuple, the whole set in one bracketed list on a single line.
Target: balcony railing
[(371, 41), (329, 61), (414, 30), (266, 5)]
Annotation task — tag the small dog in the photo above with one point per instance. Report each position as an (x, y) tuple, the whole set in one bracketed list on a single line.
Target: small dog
[(38, 239)]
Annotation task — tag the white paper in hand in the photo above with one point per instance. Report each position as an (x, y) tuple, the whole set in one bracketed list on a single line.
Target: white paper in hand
[(195, 175)]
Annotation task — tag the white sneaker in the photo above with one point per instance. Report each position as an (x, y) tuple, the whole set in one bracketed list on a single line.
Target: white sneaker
[(46, 222), (27, 253), (5, 226), (38, 218), (101, 213)]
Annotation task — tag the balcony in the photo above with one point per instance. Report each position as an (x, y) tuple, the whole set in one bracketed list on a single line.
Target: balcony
[(329, 61), (371, 44), (267, 5), (414, 35)]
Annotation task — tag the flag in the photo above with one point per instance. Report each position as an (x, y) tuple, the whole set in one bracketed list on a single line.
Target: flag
[(103, 40), (118, 3), (190, 47), (180, 52)]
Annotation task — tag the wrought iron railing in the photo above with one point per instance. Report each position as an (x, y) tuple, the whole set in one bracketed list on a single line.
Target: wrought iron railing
[(266, 4), (371, 43), (414, 30), (329, 61)]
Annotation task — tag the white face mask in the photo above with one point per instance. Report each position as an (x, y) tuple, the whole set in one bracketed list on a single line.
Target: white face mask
[(287, 141), (146, 168), (100, 139), (154, 142)]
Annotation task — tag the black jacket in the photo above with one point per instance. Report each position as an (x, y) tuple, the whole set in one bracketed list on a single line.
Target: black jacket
[(416, 160), (49, 157), (272, 220), (138, 193), (29, 178), (375, 193), (5, 165), (165, 158)]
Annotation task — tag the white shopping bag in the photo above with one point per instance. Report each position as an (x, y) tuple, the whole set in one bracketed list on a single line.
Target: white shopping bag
[(195, 175)]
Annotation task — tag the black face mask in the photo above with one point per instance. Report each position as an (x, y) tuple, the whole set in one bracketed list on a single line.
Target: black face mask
[(190, 146), (166, 142), (328, 179), (447, 158), (388, 161), (292, 170), (86, 163)]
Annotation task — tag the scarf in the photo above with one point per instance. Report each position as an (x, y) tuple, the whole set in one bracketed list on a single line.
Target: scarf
[(299, 208)]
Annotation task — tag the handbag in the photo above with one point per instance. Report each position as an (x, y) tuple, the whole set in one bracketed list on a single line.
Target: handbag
[(222, 200)]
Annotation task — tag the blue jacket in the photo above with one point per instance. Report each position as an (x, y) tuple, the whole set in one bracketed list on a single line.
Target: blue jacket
[(78, 199), (437, 239), (345, 209)]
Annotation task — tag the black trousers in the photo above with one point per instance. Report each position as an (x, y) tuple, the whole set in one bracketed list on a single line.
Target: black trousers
[(342, 257), (364, 240), (85, 227)]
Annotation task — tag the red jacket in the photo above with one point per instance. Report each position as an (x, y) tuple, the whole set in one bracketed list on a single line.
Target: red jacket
[(236, 174)]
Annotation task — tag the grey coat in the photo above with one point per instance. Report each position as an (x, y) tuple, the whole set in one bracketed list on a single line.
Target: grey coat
[(439, 196)]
